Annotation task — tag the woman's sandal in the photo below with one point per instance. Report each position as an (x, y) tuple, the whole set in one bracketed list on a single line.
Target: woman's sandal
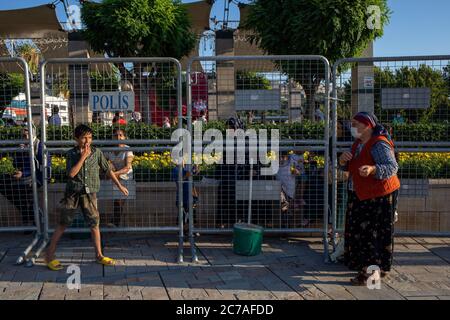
[(55, 265), (106, 261)]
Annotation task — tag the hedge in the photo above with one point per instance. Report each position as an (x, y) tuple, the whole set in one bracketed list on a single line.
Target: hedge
[(299, 131)]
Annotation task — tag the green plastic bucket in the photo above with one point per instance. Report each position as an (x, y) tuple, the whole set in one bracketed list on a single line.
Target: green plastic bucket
[(247, 239)]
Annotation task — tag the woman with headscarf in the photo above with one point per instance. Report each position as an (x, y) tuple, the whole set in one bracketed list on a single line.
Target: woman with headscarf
[(372, 190)]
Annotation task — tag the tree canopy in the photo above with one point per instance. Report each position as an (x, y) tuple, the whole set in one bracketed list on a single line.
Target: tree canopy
[(332, 28), (138, 28)]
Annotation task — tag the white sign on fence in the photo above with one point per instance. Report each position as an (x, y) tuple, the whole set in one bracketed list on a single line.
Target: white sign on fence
[(111, 101)]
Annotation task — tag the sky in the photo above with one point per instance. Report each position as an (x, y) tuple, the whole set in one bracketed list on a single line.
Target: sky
[(417, 27)]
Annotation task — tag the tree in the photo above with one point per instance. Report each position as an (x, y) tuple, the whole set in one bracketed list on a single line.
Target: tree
[(247, 80), (138, 28), (332, 28), (422, 76), (31, 54), (11, 84)]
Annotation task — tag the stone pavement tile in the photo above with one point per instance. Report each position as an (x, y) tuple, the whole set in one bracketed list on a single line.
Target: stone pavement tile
[(134, 293), (154, 293), (245, 289), (444, 297), (443, 252), (116, 292), (364, 293), (215, 294), (430, 240), (53, 291), (256, 272), (8, 274), (279, 289), (235, 286), (229, 275), (25, 274), (445, 269), (176, 293), (203, 283), (413, 247), (405, 240), (194, 294), (46, 275), (335, 291), (87, 292), (432, 276), (255, 295), (23, 291), (417, 259), (301, 284)]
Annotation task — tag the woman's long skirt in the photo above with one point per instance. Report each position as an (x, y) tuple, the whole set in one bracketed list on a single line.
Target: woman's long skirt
[(369, 230)]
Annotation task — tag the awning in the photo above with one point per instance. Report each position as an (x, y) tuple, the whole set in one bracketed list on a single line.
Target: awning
[(199, 13), (30, 23), (243, 48)]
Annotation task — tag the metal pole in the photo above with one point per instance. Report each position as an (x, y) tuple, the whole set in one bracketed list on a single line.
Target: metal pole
[(250, 191), (189, 124), (326, 252), (334, 159)]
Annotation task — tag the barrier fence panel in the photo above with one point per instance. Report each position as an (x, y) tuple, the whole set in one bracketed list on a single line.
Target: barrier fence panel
[(288, 97), (411, 98), (19, 210), (132, 106)]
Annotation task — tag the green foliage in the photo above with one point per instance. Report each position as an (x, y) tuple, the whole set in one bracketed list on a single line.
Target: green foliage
[(105, 81), (420, 77), (6, 165), (138, 28), (32, 55), (304, 130), (334, 29), (421, 132), (11, 84), (247, 80), (424, 165)]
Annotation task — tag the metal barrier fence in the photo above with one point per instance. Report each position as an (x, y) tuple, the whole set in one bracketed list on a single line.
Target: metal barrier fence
[(124, 100), (285, 93), (19, 209), (411, 97)]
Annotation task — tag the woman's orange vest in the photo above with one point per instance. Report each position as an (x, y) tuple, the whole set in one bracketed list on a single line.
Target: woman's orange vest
[(370, 187)]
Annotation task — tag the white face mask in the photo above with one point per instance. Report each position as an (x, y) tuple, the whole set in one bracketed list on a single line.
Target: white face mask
[(355, 133)]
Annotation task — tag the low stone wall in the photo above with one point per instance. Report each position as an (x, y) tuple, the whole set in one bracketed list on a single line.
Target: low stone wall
[(423, 206)]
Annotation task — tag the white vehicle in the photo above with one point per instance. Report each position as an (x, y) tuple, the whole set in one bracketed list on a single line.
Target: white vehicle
[(17, 109), (62, 104)]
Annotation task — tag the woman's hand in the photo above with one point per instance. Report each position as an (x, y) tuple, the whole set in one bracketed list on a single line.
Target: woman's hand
[(365, 171), (123, 190), (17, 175), (345, 157)]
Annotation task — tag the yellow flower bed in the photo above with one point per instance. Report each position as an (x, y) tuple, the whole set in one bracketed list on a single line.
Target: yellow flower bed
[(414, 165)]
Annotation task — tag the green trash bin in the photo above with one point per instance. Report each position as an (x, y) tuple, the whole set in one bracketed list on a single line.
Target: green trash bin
[(247, 239)]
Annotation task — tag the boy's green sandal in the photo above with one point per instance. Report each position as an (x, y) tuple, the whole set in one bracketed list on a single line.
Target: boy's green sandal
[(55, 265), (106, 261)]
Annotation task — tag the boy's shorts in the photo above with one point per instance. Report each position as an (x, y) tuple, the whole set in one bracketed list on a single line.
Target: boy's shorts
[(88, 205)]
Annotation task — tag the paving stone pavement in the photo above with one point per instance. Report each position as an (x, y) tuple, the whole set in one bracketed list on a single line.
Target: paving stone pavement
[(290, 268)]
